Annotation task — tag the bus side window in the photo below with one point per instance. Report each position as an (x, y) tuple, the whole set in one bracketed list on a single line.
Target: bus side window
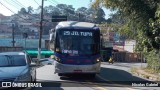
[(52, 44), (57, 43), (52, 41)]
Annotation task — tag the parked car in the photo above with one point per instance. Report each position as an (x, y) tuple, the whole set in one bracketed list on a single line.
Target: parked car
[(46, 61), (16, 67)]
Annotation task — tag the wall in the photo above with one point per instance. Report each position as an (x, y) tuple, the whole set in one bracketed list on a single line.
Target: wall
[(130, 45)]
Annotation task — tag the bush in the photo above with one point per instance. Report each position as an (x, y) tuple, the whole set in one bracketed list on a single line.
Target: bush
[(153, 60)]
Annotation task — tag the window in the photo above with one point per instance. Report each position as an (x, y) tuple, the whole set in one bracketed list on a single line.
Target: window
[(12, 60), (4, 60)]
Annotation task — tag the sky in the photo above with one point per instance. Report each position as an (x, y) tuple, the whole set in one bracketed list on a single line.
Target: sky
[(16, 5)]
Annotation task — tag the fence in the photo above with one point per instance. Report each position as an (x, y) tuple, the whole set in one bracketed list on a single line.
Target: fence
[(128, 57)]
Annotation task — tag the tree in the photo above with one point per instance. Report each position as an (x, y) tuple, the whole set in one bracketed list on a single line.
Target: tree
[(81, 13), (62, 8), (99, 16), (67, 10), (30, 10), (22, 11), (141, 14), (143, 18)]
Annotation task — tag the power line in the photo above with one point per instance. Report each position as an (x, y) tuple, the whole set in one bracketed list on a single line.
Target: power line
[(12, 11), (11, 4), (37, 3), (51, 2), (25, 7), (55, 1), (19, 3)]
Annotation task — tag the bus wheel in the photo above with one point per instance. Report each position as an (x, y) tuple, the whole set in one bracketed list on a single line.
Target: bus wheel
[(60, 74)]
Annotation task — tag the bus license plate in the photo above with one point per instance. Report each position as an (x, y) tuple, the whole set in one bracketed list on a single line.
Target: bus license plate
[(77, 71)]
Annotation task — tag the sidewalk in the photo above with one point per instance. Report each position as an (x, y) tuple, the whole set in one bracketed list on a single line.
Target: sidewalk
[(142, 73)]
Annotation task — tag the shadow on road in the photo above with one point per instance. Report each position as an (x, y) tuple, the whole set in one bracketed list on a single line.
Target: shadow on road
[(112, 74), (77, 77), (120, 77)]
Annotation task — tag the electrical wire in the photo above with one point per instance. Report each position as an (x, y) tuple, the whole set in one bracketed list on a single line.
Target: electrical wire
[(37, 3), (11, 11), (11, 4), (18, 3), (51, 2), (55, 1)]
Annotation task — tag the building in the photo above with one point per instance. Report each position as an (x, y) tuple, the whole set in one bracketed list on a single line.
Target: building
[(130, 45)]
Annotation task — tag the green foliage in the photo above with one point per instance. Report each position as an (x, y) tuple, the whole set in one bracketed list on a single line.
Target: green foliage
[(30, 10), (153, 60), (81, 14), (22, 11), (142, 17), (99, 16), (141, 21)]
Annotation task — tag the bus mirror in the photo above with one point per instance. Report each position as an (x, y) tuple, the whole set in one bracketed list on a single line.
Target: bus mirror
[(52, 30)]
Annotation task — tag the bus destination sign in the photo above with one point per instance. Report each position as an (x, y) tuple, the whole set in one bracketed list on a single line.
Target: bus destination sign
[(76, 33)]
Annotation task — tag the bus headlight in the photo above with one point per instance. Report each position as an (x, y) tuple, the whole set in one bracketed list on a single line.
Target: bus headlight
[(98, 59)]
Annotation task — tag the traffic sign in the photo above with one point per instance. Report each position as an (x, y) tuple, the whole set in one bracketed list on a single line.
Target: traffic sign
[(59, 18)]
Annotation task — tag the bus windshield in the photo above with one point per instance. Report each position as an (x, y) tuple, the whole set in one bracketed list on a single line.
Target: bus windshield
[(78, 43)]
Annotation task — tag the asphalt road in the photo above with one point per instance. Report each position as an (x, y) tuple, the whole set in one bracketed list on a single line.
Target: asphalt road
[(112, 77)]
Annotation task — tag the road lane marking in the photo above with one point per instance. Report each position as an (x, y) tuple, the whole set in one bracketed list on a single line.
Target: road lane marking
[(114, 83), (130, 89), (101, 88), (96, 85)]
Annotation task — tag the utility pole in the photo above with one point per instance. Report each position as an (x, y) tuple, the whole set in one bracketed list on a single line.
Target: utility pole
[(78, 16), (13, 42), (25, 35), (40, 32)]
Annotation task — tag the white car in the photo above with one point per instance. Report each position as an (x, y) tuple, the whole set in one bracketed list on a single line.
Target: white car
[(47, 61), (16, 67)]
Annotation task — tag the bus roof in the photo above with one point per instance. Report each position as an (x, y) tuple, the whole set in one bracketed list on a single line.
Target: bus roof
[(75, 24)]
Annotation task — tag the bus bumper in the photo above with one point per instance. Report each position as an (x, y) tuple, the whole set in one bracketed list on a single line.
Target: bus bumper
[(65, 68)]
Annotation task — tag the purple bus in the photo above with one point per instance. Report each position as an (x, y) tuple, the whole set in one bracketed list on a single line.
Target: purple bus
[(76, 47)]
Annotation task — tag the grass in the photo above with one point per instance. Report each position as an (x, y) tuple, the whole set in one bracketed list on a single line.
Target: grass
[(151, 71), (148, 70), (133, 70)]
